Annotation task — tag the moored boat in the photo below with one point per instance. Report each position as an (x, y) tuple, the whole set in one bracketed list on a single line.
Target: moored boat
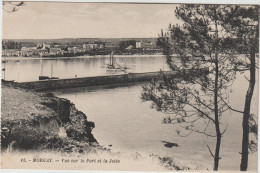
[(113, 66)]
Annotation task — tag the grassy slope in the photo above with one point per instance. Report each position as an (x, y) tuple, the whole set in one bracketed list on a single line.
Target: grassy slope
[(43, 121), (18, 104)]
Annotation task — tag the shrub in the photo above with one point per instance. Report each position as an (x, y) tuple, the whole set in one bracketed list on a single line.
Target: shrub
[(26, 137)]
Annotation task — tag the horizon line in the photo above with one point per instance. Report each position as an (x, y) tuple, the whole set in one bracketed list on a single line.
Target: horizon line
[(76, 38)]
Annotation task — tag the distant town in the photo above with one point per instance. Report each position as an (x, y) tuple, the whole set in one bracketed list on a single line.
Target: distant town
[(78, 47)]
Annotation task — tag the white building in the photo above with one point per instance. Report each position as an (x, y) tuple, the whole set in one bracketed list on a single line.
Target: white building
[(138, 44), (24, 49)]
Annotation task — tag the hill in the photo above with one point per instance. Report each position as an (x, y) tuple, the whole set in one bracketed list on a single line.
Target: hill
[(79, 40)]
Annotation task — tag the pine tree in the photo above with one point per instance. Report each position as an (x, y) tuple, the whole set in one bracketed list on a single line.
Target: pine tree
[(243, 23), (202, 41)]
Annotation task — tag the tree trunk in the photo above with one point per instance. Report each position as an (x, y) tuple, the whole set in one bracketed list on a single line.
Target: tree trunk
[(246, 115), (217, 149), (216, 158)]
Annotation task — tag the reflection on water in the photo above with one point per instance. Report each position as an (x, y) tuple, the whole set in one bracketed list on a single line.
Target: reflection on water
[(31, 69), (130, 125)]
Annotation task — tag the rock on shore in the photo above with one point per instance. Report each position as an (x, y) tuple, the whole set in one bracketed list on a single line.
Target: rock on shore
[(35, 121), (52, 127)]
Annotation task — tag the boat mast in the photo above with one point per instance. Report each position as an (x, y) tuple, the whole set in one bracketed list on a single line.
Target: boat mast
[(110, 61), (51, 70), (41, 67), (113, 59)]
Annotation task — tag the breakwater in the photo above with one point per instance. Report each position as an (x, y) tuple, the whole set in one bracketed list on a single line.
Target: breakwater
[(54, 84)]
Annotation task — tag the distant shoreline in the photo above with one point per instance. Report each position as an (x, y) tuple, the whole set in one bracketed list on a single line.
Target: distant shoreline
[(77, 57)]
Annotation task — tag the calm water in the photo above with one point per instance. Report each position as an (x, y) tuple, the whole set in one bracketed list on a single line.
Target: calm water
[(130, 125), (30, 69)]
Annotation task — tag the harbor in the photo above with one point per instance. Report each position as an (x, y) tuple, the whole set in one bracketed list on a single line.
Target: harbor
[(53, 84), (129, 86), (94, 86)]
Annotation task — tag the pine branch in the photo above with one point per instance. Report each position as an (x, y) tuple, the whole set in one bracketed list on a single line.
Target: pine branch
[(211, 152), (230, 106)]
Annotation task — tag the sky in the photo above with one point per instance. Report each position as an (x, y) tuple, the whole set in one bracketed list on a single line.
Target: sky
[(49, 20)]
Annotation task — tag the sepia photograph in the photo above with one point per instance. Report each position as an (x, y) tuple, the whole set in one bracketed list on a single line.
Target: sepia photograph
[(127, 86)]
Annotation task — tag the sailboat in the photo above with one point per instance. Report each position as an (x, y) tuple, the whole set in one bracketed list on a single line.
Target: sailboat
[(41, 77), (113, 65)]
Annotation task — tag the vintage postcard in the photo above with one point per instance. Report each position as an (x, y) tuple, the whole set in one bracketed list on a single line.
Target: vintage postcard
[(129, 86)]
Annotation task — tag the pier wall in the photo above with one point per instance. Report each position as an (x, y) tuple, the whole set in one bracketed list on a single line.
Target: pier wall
[(53, 84)]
